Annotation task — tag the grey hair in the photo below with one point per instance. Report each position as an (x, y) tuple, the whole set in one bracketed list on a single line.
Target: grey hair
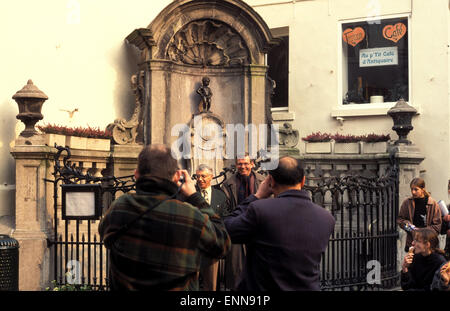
[(203, 167)]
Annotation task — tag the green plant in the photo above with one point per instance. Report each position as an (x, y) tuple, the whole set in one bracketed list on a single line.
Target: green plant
[(67, 287), (317, 137), (90, 132)]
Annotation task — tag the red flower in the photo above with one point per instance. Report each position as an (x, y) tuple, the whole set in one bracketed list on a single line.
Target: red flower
[(90, 132)]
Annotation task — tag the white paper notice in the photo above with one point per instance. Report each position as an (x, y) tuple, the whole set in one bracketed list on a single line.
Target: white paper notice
[(80, 203), (378, 57)]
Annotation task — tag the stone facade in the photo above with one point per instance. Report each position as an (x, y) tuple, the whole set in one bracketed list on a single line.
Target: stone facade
[(34, 211), (171, 74), (190, 40)]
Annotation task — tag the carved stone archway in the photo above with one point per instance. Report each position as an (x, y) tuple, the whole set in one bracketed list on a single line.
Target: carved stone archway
[(225, 40)]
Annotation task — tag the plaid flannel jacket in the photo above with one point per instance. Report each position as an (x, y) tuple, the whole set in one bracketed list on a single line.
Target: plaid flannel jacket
[(163, 250)]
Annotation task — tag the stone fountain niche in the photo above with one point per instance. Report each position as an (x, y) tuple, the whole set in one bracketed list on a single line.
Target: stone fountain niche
[(224, 40)]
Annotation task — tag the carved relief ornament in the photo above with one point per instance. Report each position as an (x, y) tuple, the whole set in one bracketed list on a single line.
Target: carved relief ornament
[(208, 43), (127, 131)]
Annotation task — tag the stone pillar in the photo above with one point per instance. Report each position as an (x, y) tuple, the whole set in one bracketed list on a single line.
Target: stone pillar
[(257, 94), (254, 101), (33, 221), (409, 158), (157, 102), (124, 159)]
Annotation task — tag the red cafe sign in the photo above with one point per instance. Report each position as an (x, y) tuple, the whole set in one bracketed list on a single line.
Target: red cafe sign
[(394, 32), (353, 36)]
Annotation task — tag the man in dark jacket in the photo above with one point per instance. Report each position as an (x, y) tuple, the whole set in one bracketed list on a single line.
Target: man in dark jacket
[(237, 188), (219, 203), (157, 242), (285, 235)]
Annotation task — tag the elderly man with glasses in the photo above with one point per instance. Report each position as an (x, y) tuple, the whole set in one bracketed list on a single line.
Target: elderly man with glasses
[(218, 201)]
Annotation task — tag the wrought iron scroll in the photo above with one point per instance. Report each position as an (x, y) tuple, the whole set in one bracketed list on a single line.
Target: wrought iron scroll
[(79, 243), (365, 208), (365, 236)]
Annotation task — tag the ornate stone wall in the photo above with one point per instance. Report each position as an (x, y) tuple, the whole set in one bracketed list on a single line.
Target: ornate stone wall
[(223, 40)]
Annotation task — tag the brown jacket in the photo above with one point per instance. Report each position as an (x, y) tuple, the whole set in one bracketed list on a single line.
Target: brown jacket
[(406, 215), (230, 187)]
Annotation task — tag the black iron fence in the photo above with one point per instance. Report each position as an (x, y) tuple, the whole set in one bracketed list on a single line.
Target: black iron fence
[(79, 257), (362, 252)]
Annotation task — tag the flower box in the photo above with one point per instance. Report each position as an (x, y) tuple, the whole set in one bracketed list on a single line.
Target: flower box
[(318, 147), (378, 147), (347, 148), (98, 144), (51, 139), (75, 142)]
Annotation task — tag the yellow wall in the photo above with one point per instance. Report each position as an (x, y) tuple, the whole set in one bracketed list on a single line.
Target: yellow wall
[(74, 51), (314, 73)]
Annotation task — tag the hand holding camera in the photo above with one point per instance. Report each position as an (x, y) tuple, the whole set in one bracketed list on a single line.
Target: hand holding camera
[(265, 188), (186, 183)]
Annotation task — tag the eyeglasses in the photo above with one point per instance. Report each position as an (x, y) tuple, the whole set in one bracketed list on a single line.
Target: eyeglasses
[(203, 176), (243, 164)]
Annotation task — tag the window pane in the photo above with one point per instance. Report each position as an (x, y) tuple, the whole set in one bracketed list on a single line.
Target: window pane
[(278, 70), (375, 61)]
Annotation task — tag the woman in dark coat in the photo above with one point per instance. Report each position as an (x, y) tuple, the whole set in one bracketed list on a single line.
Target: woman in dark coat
[(422, 261)]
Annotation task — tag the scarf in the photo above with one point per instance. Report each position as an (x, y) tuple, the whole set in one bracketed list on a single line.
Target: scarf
[(246, 186)]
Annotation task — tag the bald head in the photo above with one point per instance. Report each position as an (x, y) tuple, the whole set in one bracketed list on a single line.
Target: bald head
[(288, 162), (156, 160), (289, 172)]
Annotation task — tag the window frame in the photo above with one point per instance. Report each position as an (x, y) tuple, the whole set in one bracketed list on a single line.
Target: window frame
[(283, 113), (367, 109), (280, 32)]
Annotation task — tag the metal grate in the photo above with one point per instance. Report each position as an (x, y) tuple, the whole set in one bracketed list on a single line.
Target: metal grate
[(9, 264), (79, 256), (364, 206), (362, 251)]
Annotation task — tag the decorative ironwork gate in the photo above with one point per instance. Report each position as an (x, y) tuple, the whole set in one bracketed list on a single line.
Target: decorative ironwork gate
[(79, 257), (361, 254)]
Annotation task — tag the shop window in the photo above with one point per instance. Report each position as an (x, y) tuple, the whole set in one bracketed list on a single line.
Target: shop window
[(375, 61), (278, 62)]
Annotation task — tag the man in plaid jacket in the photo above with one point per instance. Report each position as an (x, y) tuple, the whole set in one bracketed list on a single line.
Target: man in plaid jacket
[(161, 246)]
